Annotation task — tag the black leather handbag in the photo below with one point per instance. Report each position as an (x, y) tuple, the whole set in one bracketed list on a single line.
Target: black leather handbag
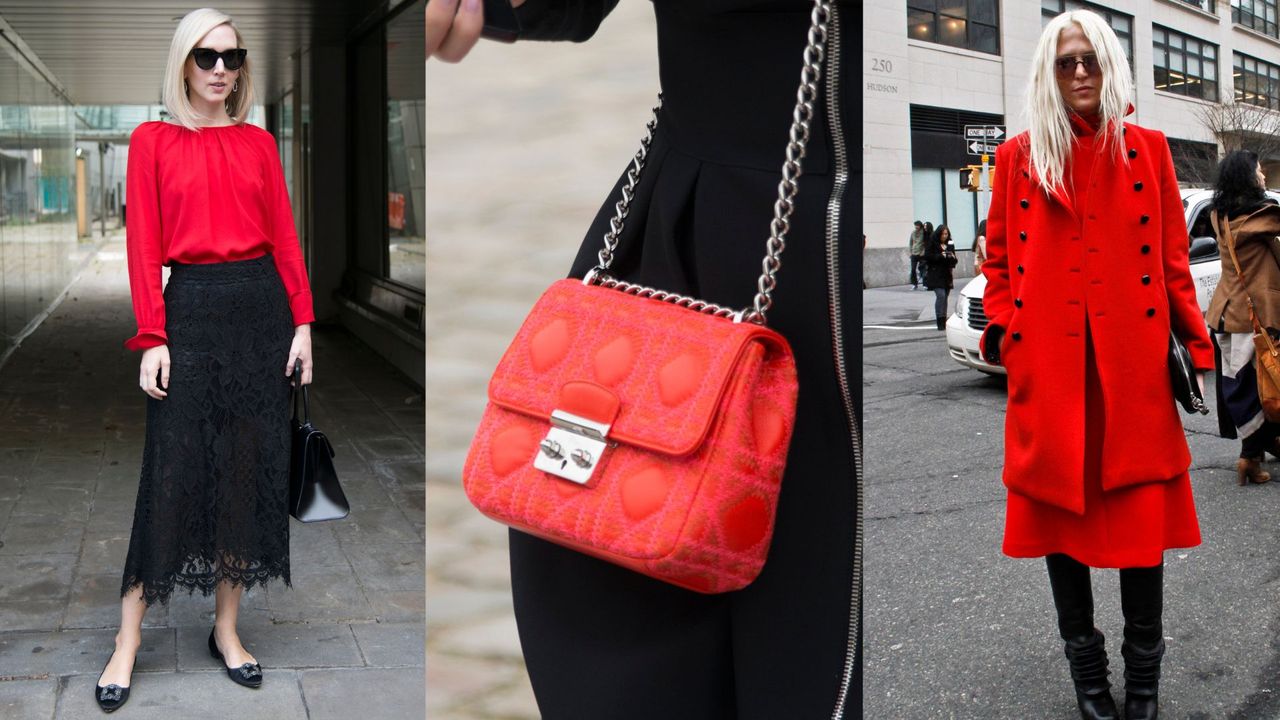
[(314, 492), (1186, 391)]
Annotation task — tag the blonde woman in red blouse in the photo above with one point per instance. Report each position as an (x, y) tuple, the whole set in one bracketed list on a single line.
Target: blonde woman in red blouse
[(207, 198)]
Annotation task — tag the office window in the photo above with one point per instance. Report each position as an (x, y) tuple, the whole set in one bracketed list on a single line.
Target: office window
[(1257, 82), (1206, 5), (1121, 23), (971, 24), (1184, 65), (1194, 162), (1257, 15)]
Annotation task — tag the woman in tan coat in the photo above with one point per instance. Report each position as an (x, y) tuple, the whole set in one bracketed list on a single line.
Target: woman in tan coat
[(1240, 202)]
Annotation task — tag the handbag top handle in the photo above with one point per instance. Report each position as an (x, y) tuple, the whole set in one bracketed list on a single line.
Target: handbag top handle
[(296, 382), (810, 75)]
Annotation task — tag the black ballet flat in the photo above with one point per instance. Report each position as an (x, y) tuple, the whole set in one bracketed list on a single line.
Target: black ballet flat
[(111, 697), (248, 674)]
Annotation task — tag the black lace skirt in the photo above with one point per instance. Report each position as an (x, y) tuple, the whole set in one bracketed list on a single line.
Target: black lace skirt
[(213, 496)]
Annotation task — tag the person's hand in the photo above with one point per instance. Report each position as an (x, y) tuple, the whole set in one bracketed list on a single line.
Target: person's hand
[(453, 27), (300, 350), (155, 361)]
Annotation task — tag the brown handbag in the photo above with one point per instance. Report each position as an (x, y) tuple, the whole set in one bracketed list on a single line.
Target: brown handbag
[(1266, 353)]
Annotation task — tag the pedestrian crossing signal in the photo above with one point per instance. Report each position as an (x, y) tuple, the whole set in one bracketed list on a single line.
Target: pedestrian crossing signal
[(971, 178)]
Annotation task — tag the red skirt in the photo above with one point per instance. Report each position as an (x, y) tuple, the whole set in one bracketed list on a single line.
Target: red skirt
[(1127, 527)]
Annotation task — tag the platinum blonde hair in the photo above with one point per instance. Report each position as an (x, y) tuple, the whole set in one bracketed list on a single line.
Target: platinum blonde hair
[(190, 31), (1048, 116)]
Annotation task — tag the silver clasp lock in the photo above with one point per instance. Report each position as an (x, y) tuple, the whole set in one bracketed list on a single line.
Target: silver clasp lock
[(573, 447)]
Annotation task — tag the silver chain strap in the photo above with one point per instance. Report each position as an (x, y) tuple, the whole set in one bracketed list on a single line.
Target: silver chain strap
[(782, 209)]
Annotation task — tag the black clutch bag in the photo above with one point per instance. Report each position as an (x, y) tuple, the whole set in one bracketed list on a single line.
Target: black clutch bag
[(314, 492), (1186, 391)]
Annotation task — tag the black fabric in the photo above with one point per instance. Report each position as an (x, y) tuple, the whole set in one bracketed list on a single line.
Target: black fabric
[(1072, 595), (601, 641), (213, 494), (1142, 603), (939, 268), (574, 20)]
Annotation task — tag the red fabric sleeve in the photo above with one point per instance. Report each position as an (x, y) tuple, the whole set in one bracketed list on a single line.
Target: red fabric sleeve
[(143, 241), (1185, 316), (286, 252), (997, 302)]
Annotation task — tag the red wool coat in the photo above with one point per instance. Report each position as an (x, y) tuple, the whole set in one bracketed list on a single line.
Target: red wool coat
[(1121, 261)]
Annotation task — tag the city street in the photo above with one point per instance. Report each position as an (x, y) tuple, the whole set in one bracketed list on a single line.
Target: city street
[(954, 629)]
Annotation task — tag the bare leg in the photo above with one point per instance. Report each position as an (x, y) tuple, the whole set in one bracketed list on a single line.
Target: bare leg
[(128, 639), (224, 625)]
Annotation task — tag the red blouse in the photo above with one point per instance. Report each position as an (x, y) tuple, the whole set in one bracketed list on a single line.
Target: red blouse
[(203, 197)]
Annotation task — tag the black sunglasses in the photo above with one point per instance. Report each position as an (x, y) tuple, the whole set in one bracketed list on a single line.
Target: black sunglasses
[(207, 58), (1066, 66)]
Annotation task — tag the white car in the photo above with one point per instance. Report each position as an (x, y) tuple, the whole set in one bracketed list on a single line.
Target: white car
[(965, 326)]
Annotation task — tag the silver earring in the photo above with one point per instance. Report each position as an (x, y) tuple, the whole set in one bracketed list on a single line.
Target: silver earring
[(235, 86)]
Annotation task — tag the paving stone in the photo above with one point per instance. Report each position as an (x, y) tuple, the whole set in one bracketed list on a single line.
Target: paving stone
[(294, 645), (72, 652), (95, 601), (319, 595), (54, 501), (391, 644), (32, 614), (42, 534), (364, 492), (10, 487), (383, 693), (197, 610), (103, 553), (375, 524), (388, 448), (28, 578), (191, 696), (28, 699), (314, 546), (387, 567)]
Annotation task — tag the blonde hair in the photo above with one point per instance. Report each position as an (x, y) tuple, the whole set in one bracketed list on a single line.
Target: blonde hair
[(1048, 118), (193, 27)]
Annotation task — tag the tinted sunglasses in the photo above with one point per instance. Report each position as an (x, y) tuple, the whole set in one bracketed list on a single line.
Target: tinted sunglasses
[(1065, 67), (207, 58)]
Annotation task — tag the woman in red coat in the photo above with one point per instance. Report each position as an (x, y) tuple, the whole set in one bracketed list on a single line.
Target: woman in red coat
[(1087, 275)]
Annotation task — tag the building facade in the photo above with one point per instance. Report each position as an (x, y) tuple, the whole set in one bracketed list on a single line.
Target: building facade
[(1202, 70)]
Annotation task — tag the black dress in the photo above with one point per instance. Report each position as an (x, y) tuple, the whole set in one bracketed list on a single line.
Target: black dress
[(604, 642)]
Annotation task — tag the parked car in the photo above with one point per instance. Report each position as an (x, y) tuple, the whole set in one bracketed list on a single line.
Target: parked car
[(965, 326)]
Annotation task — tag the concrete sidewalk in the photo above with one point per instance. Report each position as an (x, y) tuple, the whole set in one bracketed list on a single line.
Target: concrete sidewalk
[(346, 641), (900, 306)]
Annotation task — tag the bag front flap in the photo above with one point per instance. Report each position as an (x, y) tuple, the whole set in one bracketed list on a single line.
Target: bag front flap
[(652, 372)]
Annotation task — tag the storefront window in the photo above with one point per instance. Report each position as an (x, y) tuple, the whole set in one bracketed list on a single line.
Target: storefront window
[(406, 82)]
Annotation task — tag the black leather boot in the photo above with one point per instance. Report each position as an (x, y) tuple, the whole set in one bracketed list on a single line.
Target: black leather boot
[(1087, 655), (942, 323), (1085, 645), (1142, 601)]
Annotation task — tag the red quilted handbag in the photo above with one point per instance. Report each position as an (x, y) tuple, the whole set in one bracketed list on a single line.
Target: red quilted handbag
[(645, 428)]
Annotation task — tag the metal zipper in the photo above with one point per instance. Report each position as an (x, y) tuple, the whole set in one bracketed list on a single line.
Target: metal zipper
[(834, 204)]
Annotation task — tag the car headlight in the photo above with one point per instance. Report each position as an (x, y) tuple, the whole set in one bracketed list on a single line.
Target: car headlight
[(961, 304)]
